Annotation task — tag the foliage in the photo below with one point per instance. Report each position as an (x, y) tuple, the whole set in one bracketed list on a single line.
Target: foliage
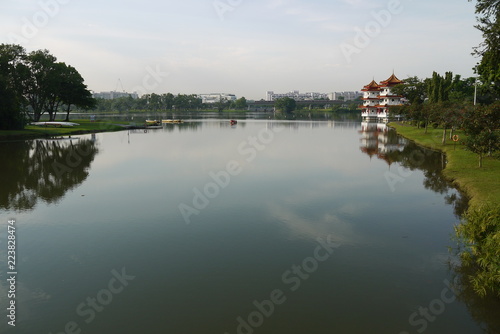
[(240, 104), (36, 83), (482, 127), (480, 233), (488, 68), (23, 187), (11, 117), (150, 102), (222, 104), (438, 87), (413, 89), (286, 104)]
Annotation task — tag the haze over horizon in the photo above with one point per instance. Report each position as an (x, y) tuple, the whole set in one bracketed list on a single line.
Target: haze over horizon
[(246, 48)]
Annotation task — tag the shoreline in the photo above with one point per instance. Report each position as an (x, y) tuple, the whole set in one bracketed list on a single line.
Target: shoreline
[(36, 132), (481, 185)]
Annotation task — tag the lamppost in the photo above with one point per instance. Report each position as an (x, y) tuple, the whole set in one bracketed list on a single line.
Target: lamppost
[(475, 91)]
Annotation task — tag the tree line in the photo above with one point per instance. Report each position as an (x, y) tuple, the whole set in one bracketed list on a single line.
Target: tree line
[(450, 102), (166, 102), (35, 83)]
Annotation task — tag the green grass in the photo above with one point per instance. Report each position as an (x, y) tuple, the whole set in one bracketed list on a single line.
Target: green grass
[(482, 185), (33, 131)]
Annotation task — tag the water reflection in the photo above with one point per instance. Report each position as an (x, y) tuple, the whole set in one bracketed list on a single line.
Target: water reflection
[(42, 170), (310, 181), (378, 140), (484, 310)]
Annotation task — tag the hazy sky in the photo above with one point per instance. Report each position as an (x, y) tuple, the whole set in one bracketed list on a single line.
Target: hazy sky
[(246, 47)]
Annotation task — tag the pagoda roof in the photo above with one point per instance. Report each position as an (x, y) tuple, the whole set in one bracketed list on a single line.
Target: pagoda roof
[(371, 86), (391, 81)]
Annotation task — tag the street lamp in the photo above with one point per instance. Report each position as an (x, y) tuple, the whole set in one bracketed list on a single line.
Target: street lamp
[(475, 91)]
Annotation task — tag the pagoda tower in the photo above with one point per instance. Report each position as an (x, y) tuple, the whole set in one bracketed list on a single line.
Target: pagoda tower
[(371, 100), (387, 98), (378, 98)]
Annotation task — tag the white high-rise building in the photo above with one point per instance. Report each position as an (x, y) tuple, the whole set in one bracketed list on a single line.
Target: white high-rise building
[(216, 97)]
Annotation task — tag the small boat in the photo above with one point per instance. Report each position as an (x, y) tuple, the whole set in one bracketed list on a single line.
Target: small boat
[(55, 124), (172, 121), (155, 122), (233, 122)]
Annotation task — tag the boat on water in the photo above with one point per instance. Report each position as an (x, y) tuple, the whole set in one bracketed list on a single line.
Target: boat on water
[(54, 124), (233, 122), (172, 121)]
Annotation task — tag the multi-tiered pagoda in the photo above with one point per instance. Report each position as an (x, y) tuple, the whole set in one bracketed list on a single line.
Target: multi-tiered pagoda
[(378, 97)]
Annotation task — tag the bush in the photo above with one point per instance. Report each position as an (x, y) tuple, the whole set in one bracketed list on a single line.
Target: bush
[(480, 234)]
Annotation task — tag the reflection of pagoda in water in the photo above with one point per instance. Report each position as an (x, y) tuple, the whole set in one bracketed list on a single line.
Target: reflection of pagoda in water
[(378, 98), (377, 140)]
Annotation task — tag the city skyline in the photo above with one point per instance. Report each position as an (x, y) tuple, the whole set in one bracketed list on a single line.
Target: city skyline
[(246, 48)]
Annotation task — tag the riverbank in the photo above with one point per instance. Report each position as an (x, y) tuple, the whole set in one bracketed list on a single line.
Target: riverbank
[(482, 185), (85, 126)]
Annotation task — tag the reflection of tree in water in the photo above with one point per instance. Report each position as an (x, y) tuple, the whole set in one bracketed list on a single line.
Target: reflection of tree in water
[(484, 310), (384, 143), (42, 169)]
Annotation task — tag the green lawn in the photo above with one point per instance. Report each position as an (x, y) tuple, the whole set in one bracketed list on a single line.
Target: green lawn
[(481, 184), (33, 131)]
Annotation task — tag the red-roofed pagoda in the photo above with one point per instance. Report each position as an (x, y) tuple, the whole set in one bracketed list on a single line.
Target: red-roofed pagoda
[(378, 97)]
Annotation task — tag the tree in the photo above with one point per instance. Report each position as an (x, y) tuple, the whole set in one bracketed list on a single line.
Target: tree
[(11, 100), (35, 81), (413, 89), (169, 100), (482, 129), (241, 104), (479, 232), (73, 91), (438, 87), (286, 104), (221, 104), (488, 68)]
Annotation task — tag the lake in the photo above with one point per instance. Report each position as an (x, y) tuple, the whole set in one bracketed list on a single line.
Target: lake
[(202, 227)]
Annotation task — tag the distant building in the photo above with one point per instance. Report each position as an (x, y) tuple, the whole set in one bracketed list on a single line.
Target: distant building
[(114, 95), (378, 98), (346, 96), (296, 95), (216, 97)]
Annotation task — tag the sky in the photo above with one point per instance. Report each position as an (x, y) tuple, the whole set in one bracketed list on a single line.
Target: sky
[(245, 47)]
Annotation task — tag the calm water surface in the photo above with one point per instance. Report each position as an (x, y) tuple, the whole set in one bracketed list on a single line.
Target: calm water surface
[(203, 227)]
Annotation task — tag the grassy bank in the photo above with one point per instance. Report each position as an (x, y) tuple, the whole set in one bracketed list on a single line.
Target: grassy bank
[(32, 131), (481, 184)]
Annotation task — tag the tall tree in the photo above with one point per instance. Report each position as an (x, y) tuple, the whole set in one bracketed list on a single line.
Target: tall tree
[(413, 89), (286, 104), (488, 67), (38, 72), (11, 100), (482, 129), (73, 91), (241, 103)]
